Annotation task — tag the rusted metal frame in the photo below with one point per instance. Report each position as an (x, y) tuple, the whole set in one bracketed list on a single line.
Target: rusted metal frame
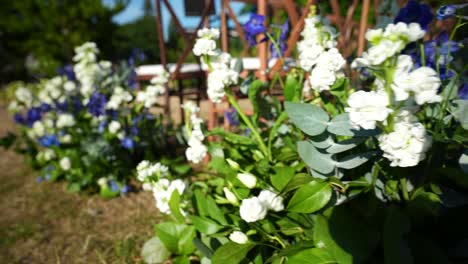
[(162, 54), (262, 47), (337, 14), (224, 27), (363, 26), (239, 29), (291, 10), (293, 38), (191, 40), (178, 25)]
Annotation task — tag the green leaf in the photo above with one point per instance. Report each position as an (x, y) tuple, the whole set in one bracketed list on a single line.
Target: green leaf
[(204, 249), (154, 251), (311, 256), (396, 228), (344, 236), (282, 177), (255, 98), (214, 212), (450, 91), (321, 162), (292, 88), (345, 145), (231, 137), (311, 119), (311, 197), (460, 112), (355, 160), (340, 125), (297, 181), (205, 226), (176, 237), (200, 200), (322, 141), (174, 205), (231, 253), (463, 161), (181, 260)]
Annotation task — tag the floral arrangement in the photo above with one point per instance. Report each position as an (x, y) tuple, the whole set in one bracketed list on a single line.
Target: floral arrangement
[(345, 172), (91, 125)]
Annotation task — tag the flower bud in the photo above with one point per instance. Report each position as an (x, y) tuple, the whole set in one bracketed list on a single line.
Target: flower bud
[(247, 179), (258, 155), (238, 237), (233, 164), (230, 196)]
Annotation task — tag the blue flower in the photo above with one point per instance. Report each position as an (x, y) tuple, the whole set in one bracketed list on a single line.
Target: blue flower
[(113, 114), (34, 114), (463, 91), (134, 130), (132, 80), (414, 12), (282, 48), (114, 186), (67, 70), (61, 107), (97, 104), (19, 119), (127, 143), (448, 11), (45, 107), (125, 189), (284, 31), (102, 126), (39, 179), (232, 116), (49, 140), (253, 27)]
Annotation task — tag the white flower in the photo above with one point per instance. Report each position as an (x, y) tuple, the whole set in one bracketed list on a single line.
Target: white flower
[(209, 33), (24, 96), (406, 146), (422, 82), (331, 59), (204, 46), (271, 200), (366, 108), (191, 107), (102, 182), (217, 80), (322, 78), (309, 54), (38, 128), (67, 138), (252, 210), (196, 153), (65, 163), (230, 196), (162, 192), (69, 86), (247, 179), (65, 120), (415, 32), (146, 169), (161, 78), (118, 97), (45, 155), (238, 237), (374, 35), (114, 127)]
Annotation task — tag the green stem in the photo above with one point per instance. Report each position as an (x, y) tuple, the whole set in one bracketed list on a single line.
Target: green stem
[(277, 48), (273, 131), (247, 121), (450, 41), (403, 189), (423, 55), (388, 88)]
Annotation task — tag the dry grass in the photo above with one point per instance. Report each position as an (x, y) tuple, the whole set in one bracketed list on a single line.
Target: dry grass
[(42, 223)]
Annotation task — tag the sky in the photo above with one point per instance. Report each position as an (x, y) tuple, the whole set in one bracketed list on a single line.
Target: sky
[(135, 10)]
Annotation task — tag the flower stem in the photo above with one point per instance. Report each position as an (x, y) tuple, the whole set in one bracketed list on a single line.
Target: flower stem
[(423, 55), (404, 190), (277, 48), (247, 121)]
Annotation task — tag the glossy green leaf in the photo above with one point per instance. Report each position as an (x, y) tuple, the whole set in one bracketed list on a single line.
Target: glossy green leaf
[(321, 162), (205, 225), (154, 251), (174, 205), (311, 256), (282, 177), (297, 181), (176, 237), (231, 253), (310, 197), (460, 111), (340, 125), (311, 119), (292, 88), (214, 212)]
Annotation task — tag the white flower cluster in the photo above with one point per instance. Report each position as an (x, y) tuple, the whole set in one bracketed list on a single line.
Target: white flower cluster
[(423, 82), (386, 44), (366, 108), (46, 155), (238, 237), (206, 42), (318, 54), (145, 169), (220, 77), (56, 89), (149, 96), (119, 96), (406, 146), (65, 120), (161, 187), (24, 97), (87, 69), (65, 163), (255, 208), (196, 151)]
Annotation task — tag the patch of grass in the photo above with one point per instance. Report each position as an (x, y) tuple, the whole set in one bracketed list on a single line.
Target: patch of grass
[(9, 235)]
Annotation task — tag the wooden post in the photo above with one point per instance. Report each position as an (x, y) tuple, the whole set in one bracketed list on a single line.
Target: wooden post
[(363, 26), (162, 55), (262, 47)]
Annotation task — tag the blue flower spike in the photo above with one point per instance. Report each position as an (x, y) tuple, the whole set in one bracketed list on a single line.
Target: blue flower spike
[(448, 11), (253, 27)]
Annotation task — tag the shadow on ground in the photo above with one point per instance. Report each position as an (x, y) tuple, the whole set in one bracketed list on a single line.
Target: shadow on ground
[(43, 223)]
